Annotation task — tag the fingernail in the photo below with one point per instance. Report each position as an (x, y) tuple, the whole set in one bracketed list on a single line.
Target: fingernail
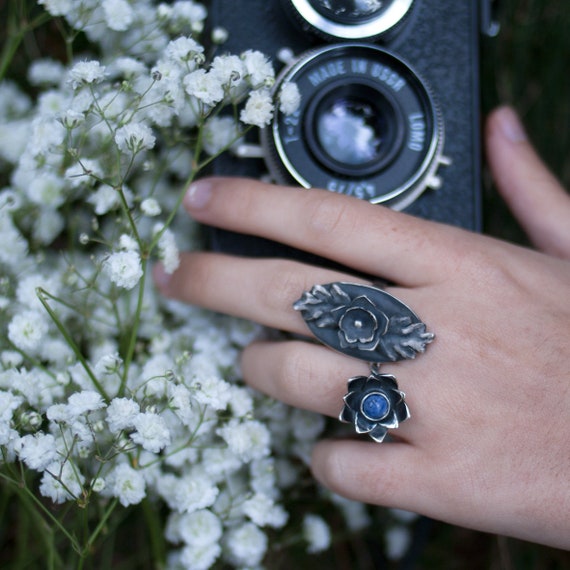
[(511, 126), (161, 278), (198, 195)]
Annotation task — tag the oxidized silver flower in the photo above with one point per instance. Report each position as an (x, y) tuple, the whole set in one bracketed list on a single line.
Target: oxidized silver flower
[(374, 404), (361, 325)]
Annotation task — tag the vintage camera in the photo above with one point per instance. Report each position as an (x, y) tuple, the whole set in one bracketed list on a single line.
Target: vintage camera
[(390, 103)]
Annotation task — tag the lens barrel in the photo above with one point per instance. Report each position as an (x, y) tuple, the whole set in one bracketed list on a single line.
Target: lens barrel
[(367, 126)]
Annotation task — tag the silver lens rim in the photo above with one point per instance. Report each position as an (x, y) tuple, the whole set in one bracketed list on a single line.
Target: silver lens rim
[(369, 29)]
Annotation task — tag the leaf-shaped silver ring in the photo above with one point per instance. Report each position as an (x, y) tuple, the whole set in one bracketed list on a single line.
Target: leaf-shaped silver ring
[(364, 322)]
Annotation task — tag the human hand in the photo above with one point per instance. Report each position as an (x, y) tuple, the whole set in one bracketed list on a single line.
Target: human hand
[(487, 444)]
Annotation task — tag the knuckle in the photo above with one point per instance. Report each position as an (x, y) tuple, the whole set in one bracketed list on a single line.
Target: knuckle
[(203, 275), (494, 270), (283, 286), (295, 373), (329, 217)]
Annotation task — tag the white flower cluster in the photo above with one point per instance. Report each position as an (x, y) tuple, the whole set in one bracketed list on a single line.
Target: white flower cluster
[(108, 391)]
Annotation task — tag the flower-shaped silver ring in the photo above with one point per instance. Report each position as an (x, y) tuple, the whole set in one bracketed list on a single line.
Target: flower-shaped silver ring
[(374, 404), (369, 324)]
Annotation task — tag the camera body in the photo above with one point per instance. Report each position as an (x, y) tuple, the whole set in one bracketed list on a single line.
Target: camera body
[(390, 103)]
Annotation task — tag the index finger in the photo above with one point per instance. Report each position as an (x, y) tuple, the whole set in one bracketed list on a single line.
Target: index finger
[(366, 237)]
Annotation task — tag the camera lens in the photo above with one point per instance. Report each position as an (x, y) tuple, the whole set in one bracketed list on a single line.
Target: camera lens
[(348, 11), (349, 19), (367, 126), (353, 129)]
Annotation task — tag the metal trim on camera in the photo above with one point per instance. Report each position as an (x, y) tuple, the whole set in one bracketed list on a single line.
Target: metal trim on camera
[(368, 126), (350, 19)]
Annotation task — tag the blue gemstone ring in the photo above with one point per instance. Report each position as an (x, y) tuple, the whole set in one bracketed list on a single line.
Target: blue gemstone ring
[(374, 404), (367, 323)]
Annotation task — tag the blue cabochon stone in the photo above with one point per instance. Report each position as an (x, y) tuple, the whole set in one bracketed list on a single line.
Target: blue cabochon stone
[(375, 406)]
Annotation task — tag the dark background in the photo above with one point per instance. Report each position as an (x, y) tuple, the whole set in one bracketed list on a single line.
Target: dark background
[(528, 66)]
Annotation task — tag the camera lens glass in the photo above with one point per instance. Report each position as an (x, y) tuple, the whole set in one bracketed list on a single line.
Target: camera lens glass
[(353, 129), (367, 126), (350, 132)]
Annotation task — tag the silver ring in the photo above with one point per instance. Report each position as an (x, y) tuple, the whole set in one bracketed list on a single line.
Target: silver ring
[(369, 324)]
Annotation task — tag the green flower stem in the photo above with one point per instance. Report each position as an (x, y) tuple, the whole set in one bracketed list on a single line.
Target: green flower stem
[(44, 531), (135, 327), (156, 533), (95, 534), (41, 293), (16, 29)]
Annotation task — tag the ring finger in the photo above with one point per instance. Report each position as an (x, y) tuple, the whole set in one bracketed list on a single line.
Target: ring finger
[(301, 374)]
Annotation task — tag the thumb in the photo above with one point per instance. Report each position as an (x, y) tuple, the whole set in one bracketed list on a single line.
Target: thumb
[(534, 195)]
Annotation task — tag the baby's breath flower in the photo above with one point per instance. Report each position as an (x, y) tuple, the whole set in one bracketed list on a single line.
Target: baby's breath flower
[(61, 482), (86, 73), (151, 432), (191, 492), (204, 86), (398, 539), (47, 134), (229, 69), (108, 364), (45, 72), (104, 199), (307, 425), (127, 484), (84, 172), (128, 67), (212, 392), (219, 134), (262, 510), (167, 250), (37, 451), (220, 35), (72, 119), (317, 533), (84, 402), (134, 137), (258, 109), (199, 528), (119, 14), (246, 545), (47, 190), (27, 329), (8, 403), (248, 439), (124, 268), (121, 414), (150, 207), (184, 50), (128, 243), (200, 557), (260, 72), (57, 7), (98, 484), (289, 98)]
